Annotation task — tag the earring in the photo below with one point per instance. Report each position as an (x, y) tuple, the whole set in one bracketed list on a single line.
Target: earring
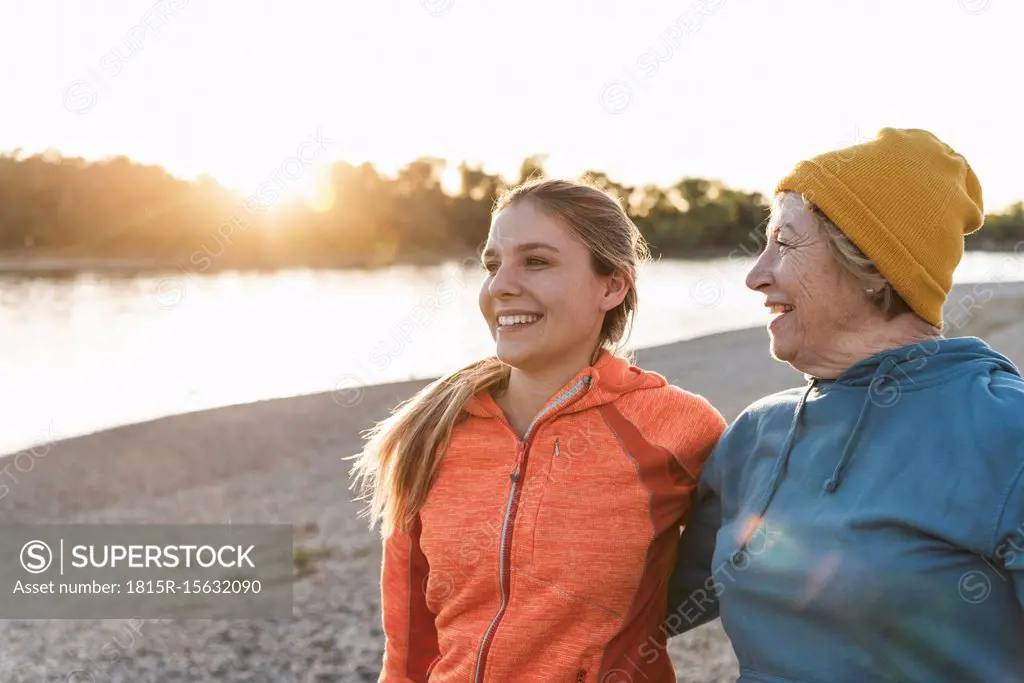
[(869, 290)]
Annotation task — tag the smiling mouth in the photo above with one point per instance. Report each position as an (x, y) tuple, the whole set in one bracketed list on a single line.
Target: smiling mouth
[(516, 322), (781, 309)]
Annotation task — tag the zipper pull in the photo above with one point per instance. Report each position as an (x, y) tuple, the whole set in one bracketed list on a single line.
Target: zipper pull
[(556, 448), (516, 474)]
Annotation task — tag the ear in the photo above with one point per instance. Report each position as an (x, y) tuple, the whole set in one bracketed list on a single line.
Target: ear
[(615, 288)]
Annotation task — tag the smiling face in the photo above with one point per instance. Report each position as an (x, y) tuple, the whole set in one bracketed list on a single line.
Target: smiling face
[(542, 299), (816, 304)]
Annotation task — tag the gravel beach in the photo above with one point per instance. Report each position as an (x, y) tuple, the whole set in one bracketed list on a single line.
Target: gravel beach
[(281, 461)]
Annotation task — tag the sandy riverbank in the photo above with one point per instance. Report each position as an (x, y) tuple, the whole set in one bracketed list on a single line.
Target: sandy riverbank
[(279, 461)]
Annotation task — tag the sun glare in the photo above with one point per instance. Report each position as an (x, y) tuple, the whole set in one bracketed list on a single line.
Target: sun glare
[(284, 187), (451, 179), (312, 188)]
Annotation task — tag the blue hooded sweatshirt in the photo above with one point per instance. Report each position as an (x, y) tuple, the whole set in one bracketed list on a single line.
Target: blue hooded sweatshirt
[(870, 527)]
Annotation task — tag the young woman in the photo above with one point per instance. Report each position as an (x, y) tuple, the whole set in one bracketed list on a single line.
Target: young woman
[(531, 502)]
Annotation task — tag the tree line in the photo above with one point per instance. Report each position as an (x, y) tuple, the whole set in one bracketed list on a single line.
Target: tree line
[(63, 207)]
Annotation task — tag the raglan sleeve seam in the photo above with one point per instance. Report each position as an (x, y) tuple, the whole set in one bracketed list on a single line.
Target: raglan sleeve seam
[(1016, 486)]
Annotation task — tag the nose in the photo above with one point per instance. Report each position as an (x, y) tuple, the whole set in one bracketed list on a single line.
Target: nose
[(504, 282), (760, 274)]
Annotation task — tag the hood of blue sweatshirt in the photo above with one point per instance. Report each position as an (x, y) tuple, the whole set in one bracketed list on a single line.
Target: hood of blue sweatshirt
[(884, 378), (852, 509)]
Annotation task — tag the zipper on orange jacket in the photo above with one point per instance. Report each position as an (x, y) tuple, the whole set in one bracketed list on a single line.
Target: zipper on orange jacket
[(504, 571)]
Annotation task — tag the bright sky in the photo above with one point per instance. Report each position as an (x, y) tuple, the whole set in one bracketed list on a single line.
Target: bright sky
[(647, 90)]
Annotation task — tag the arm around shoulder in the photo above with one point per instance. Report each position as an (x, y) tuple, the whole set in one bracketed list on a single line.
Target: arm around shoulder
[(692, 595), (690, 602)]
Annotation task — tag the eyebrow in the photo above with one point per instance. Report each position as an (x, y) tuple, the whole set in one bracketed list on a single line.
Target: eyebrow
[(779, 227), (526, 246)]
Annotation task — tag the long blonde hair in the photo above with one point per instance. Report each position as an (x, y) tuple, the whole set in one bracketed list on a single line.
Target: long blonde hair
[(397, 467)]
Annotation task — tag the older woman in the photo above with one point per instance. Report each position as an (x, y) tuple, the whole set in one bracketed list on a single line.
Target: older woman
[(868, 526)]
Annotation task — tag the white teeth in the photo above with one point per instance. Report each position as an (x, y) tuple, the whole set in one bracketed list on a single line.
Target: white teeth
[(505, 320), (781, 308)]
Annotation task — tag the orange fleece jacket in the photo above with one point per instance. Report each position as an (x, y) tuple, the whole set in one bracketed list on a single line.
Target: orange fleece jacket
[(547, 559)]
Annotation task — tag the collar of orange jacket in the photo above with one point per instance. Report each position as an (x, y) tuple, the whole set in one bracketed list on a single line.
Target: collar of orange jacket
[(610, 377)]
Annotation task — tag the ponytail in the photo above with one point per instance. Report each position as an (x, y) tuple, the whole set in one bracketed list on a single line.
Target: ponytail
[(403, 453)]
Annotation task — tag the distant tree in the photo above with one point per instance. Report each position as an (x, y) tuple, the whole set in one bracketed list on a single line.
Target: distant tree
[(624, 193), (1003, 228), (116, 207), (471, 210), (532, 167)]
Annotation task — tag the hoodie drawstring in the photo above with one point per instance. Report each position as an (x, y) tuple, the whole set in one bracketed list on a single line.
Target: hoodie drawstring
[(783, 461), (832, 483)]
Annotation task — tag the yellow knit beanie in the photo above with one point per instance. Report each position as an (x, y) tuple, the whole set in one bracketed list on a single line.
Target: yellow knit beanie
[(906, 199)]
